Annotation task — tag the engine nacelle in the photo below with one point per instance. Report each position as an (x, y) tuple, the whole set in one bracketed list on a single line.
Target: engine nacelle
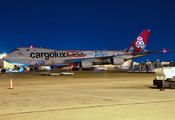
[(85, 64), (116, 60)]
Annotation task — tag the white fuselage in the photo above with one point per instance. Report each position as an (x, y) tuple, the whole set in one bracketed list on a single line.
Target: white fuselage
[(43, 56)]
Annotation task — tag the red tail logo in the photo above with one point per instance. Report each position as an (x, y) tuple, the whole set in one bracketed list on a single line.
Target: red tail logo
[(139, 43)]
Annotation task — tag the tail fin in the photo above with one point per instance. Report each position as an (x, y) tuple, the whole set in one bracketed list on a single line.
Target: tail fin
[(139, 43)]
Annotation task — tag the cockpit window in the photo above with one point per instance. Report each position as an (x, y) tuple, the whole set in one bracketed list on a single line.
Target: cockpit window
[(15, 50)]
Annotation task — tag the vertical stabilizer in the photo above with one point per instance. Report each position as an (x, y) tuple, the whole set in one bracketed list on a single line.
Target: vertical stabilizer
[(139, 43)]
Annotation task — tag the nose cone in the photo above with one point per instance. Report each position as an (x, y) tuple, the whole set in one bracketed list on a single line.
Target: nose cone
[(7, 58)]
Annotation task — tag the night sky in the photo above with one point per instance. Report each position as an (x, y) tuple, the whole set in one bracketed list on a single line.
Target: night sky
[(87, 25)]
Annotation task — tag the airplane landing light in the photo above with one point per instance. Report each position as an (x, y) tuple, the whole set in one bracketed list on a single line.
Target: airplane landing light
[(4, 55)]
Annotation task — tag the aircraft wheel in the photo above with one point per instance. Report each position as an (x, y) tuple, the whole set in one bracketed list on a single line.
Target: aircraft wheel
[(3, 70), (91, 68), (172, 86), (159, 86)]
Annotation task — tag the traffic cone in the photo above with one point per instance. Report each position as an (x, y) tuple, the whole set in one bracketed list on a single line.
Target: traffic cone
[(11, 85)]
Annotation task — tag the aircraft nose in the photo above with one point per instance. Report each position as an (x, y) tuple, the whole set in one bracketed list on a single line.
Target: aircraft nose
[(5, 57)]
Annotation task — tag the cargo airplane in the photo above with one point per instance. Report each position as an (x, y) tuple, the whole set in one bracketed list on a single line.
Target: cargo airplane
[(31, 56)]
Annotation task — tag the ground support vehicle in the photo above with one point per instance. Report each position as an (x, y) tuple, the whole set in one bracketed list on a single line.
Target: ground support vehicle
[(164, 76)]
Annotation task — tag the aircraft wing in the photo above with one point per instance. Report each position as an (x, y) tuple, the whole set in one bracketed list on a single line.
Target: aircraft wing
[(163, 50)]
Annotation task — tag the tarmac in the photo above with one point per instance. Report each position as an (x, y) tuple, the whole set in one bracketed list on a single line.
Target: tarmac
[(86, 95)]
